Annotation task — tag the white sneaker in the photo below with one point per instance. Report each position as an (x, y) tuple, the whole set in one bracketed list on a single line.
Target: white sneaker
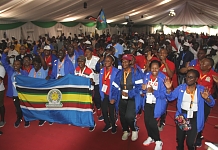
[(134, 135), (159, 145), (125, 135), (148, 141)]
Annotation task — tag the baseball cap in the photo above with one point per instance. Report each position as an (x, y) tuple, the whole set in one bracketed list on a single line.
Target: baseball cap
[(127, 57), (141, 41), (186, 44), (87, 42), (47, 47)]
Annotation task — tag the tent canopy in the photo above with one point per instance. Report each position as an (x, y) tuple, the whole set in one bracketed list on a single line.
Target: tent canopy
[(188, 12)]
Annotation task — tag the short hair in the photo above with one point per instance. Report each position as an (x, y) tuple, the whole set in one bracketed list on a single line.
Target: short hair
[(83, 58), (27, 57), (111, 56), (204, 50), (37, 59), (211, 61), (155, 61), (197, 74)]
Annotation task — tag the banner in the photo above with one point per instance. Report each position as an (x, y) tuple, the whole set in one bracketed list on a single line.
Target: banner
[(66, 101)]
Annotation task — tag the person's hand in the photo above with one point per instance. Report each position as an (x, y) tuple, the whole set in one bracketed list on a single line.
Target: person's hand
[(124, 94), (149, 56), (205, 94), (144, 86), (59, 77), (47, 78), (40, 52), (163, 61), (215, 78), (187, 64), (6, 50), (150, 89), (142, 95), (112, 101), (168, 83)]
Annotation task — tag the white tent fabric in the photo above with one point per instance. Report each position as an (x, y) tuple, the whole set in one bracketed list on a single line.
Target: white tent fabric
[(188, 12)]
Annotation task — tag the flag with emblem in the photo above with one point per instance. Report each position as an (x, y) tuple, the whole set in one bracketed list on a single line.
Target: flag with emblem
[(67, 100), (101, 21)]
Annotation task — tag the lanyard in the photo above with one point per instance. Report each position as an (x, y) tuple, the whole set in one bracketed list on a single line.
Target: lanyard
[(183, 55), (81, 72), (125, 76), (60, 65), (202, 77), (192, 94), (106, 75), (28, 70), (46, 59)]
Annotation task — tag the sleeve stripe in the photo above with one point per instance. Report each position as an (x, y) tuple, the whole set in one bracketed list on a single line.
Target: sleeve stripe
[(139, 81), (114, 84)]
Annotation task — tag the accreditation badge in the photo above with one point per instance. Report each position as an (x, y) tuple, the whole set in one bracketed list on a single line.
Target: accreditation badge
[(207, 79)]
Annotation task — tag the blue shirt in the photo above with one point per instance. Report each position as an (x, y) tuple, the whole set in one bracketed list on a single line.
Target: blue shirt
[(118, 50), (41, 73)]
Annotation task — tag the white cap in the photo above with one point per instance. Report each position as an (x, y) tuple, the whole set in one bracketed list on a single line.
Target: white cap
[(136, 32), (215, 47), (87, 42), (47, 47), (167, 40), (141, 41), (186, 44), (108, 46), (80, 37)]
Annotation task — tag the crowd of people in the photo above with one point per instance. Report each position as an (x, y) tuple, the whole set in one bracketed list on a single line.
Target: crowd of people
[(129, 74)]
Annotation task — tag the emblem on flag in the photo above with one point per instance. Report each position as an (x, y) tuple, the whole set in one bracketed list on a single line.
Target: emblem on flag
[(54, 98)]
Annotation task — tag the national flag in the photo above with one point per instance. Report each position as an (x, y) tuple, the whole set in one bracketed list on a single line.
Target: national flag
[(67, 100), (91, 18), (101, 21)]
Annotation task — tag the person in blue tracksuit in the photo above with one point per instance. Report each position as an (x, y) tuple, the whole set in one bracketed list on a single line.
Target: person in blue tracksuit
[(72, 55), (154, 102), (190, 103), (125, 88), (106, 78), (61, 67), (12, 92)]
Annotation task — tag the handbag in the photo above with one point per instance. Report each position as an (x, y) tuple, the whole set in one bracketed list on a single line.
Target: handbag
[(183, 123)]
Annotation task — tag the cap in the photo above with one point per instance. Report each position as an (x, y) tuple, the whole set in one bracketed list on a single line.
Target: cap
[(87, 42), (81, 57), (136, 32), (47, 47), (167, 40), (215, 47), (186, 44), (141, 41), (127, 57), (108, 46), (89, 48)]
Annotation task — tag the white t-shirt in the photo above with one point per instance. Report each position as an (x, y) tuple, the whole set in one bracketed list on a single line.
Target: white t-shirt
[(2, 74), (91, 64)]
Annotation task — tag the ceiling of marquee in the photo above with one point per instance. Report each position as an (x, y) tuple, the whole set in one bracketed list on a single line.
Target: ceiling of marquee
[(188, 12)]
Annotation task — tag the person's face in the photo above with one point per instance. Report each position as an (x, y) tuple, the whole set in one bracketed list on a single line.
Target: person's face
[(162, 54), (195, 46), (185, 48), (154, 69), (22, 50), (61, 54), (213, 52), (126, 64), (36, 65), (47, 52), (201, 54), (54, 52), (139, 44), (88, 53), (70, 51), (81, 63), (108, 61), (190, 79), (26, 61), (75, 45), (17, 65), (205, 65)]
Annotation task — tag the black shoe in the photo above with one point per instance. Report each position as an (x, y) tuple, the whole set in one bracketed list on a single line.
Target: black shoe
[(92, 128), (1, 132), (198, 142), (27, 124), (41, 123), (106, 128), (17, 123), (114, 130)]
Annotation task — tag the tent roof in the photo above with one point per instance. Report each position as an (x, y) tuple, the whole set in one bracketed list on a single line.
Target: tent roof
[(188, 12)]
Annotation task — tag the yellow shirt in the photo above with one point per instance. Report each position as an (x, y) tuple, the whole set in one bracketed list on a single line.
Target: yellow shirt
[(17, 48)]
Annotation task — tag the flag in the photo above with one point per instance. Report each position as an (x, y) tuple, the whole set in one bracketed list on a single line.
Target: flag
[(67, 100), (91, 18), (101, 21)]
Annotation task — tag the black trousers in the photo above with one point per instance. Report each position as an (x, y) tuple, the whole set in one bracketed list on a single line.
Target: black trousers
[(105, 106), (151, 122), (191, 135), (163, 117), (128, 114), (206, 114), (97, 97), (17, 106)]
